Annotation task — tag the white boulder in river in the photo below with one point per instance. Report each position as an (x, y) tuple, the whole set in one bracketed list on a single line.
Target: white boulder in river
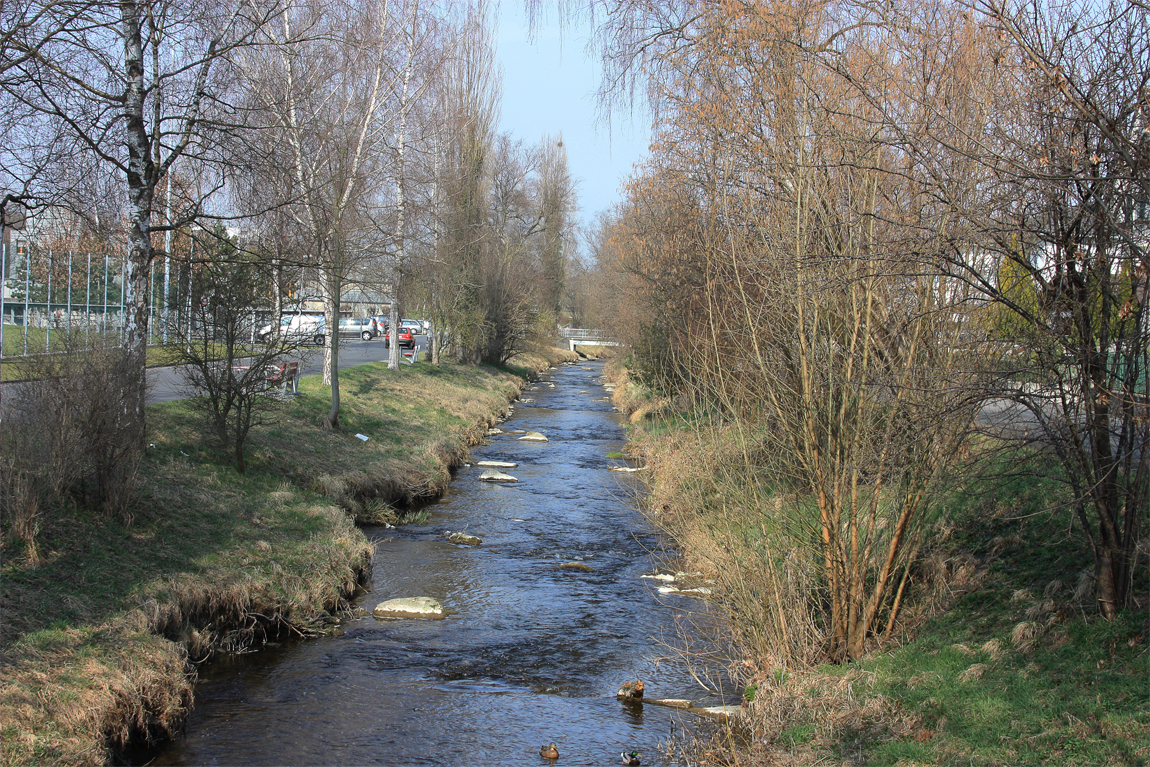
[(463, 538), (409, 607), (497, 464), (532, 436), (494, 475)]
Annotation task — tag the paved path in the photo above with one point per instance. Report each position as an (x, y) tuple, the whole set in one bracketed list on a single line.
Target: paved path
[(165, 384)]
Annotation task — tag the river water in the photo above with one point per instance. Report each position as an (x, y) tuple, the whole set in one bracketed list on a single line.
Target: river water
[(529, 654)]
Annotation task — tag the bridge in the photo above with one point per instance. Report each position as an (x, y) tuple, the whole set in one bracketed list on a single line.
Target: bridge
[(586, 337)]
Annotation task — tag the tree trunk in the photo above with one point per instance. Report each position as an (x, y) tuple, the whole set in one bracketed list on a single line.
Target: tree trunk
[(1108, 586), (141, 170), (330, 284)]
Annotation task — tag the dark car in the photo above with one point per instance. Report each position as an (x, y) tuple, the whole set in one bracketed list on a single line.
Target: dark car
[(405, 339), (363, 327)]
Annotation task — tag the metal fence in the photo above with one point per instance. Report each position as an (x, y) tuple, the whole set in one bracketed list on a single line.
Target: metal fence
[(47, 293), (584, 334)]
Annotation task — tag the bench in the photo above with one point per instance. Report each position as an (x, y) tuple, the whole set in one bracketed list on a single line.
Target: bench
[(285, 374)]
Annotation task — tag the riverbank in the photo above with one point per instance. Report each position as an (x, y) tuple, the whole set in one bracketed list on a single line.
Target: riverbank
[(999, 658), (547, 615), (102, 621)]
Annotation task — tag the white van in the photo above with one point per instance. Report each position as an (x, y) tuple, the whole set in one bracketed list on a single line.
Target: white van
[(298, 328)]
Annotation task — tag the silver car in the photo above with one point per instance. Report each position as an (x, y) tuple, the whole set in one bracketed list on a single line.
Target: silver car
[(363, 327)]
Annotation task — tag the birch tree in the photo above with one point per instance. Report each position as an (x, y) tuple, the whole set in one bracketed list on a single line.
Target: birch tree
[(422, 55), (327, 95), (127, 88)]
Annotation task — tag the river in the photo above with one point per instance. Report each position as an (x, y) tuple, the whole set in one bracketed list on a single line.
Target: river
[(529, 654)]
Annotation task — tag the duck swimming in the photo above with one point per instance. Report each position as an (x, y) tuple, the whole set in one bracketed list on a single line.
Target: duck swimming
[(631, 759), (631, 691), (549, 752)]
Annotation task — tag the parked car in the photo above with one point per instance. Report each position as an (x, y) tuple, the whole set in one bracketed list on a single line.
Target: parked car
[(415, 326), (383, 321), (362, 327), (297, 328), (405, 338)]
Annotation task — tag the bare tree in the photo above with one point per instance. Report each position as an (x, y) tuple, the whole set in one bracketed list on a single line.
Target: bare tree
[(556, 191), (795, 292), (422, 55), (1068, 219), (216, 354), (129, 89), (328, 97), (469, 107)]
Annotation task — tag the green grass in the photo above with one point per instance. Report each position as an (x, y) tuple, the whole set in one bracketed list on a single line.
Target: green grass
[(963, 685), (191, 517), (15, 367), (1080, 697), (205, 548), (964, 690)]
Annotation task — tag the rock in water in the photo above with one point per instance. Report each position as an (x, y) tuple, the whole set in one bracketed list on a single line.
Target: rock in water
[(494, 475), (576, 566), (497, 464), (409, 607), (532, 436), (463, 538)]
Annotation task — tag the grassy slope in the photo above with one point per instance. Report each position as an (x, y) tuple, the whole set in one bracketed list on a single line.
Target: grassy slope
[(17, 368), (1019, 669), (96, 631), (1012, 666)]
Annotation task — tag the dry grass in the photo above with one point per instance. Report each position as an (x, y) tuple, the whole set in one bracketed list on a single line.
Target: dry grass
[(99, 630), (841, 708), (542, 357), (739, 536), (633, 400), (965, 676), (590, 352), (64, 691)]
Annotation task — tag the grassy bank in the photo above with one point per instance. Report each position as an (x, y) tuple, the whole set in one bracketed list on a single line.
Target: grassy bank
[(103, 617), (18, 368), (594, 352), (1000, 657)]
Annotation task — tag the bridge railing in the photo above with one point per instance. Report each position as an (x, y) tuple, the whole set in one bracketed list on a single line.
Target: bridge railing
[(584, 334)]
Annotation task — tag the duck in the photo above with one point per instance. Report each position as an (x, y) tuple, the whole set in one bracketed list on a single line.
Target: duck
[(631, 691), (549, 752), (631, 759)]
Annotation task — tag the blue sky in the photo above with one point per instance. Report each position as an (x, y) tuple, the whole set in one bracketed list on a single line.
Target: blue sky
[(549, 85)]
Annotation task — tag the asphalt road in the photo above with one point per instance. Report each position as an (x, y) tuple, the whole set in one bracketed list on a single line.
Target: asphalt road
[(166, 384)]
